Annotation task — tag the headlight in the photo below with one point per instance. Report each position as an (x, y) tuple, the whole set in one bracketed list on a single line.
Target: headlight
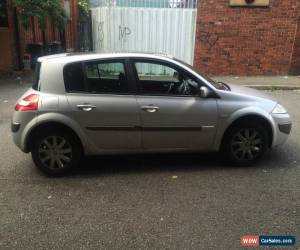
[(279, 109)]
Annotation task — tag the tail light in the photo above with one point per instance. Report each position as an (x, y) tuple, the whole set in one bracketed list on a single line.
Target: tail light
[(28, 103)]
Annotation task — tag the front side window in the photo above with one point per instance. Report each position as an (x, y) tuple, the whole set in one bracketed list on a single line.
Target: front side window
[(106, 77), (217, 85), (159, 79)]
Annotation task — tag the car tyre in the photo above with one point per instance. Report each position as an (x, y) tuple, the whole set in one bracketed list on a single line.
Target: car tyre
[(245, 143), (56, 152)]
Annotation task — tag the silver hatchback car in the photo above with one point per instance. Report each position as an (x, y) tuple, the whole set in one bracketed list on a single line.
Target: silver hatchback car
[(87, 104)]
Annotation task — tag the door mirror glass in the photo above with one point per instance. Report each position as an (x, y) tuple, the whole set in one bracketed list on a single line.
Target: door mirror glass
[(204, 92)]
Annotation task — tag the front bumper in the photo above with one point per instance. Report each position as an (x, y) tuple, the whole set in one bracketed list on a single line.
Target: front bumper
[(283, 127)]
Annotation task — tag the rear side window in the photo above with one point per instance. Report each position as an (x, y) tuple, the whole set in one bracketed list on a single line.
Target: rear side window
[(36, 76), (74, 78), (107, 77)]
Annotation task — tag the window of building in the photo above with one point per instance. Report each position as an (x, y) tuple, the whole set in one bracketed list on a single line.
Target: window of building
[(3, 14)]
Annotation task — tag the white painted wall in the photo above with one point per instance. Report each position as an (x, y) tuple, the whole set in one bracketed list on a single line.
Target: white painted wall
[(156, 30)]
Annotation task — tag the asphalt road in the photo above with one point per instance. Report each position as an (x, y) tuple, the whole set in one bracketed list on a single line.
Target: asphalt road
[(185, 201)]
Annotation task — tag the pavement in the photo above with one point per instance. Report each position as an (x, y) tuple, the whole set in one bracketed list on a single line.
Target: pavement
[(263, 82), (180, 201)]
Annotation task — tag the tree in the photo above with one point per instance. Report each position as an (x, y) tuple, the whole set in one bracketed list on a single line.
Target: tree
[(83, 7), (42, 10)]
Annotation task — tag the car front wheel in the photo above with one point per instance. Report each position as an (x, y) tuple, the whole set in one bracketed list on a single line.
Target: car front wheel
[(245, 143)]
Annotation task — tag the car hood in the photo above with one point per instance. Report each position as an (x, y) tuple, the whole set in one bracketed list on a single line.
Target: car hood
[(250, 92)]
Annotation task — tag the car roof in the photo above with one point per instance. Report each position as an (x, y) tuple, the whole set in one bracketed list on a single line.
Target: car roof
[(76, 57)]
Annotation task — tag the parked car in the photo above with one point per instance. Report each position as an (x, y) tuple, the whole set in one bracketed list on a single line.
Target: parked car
[(87, 104)]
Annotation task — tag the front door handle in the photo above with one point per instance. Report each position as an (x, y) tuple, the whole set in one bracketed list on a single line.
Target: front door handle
[(150, 108), (86, 107)]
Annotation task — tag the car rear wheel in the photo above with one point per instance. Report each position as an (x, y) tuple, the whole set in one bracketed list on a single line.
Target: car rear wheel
[(245, 143), (56, 152)]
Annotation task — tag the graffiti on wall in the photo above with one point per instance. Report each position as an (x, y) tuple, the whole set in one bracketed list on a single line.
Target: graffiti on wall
[(100, 34), (143, 29), (124, 32), (210, 40)]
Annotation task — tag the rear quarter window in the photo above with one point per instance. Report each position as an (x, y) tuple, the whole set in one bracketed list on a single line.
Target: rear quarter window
[(74, 78), (36, 76)]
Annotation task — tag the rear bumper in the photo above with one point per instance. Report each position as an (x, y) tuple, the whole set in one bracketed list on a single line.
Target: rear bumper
[(15, 127), (21, 124), (17, 140)]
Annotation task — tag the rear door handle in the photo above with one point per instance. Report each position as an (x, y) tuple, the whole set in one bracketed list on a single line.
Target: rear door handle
[(86, 107), (150, 108)]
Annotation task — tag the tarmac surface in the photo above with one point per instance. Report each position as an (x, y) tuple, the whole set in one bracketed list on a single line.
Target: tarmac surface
[(181, 201)]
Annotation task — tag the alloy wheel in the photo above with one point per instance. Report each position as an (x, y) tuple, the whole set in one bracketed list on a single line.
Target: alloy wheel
[(246, 144), (55, 152)]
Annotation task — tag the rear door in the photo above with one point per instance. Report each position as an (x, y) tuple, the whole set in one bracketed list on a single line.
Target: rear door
[(173, 116), (102, 102)]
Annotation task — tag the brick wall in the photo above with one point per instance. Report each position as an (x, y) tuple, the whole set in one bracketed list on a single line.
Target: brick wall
[(295, 66), (8, 43), (245, 41), (7, 55), (34, 34)]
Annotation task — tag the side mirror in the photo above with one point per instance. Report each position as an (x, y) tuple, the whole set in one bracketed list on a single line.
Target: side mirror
[(204, 92)]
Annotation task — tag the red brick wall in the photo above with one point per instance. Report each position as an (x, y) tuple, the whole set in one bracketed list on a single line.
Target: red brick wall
[(295, 67), (7, 55), (34, 34), (8, 43), (245, 41)]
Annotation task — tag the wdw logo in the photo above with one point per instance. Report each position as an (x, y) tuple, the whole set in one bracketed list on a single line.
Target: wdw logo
[(250, 241), (255, 241)]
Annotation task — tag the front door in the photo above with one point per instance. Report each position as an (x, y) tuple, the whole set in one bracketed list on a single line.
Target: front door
[(173, 116), (101, 102)]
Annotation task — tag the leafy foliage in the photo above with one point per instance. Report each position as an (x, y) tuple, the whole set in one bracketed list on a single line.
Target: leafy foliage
[(42, 10), (83, 7)]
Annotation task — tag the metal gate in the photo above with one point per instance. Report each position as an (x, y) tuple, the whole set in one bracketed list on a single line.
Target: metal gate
[(154, 26)]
